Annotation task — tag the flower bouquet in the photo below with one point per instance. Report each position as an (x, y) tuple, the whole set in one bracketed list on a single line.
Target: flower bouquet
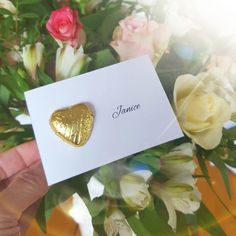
[(153, 192)]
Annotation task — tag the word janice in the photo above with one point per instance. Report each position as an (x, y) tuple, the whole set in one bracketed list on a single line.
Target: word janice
[(122, 110)]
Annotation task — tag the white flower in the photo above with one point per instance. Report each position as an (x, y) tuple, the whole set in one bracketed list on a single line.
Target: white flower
[(70, 62), (178, 160), (32, 55), (178, 194), (134, 191), (116, 224), (201, 110), (8, 5)]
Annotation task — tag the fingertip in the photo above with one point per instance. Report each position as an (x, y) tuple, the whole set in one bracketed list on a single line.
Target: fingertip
[(16, 159)]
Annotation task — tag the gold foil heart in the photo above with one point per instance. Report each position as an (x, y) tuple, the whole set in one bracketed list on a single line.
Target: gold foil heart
[(73, 124)]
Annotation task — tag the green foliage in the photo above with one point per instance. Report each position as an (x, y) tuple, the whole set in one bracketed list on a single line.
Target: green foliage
[(137, 226), (43, 78), (233, 117), (13, 81), (215, 159), (17, 136), (96, 206), (208, 222), (101, 59), (153, 222), (99, 26), (147, 158)]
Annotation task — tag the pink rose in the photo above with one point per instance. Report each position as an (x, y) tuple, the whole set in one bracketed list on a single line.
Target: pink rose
[(64, 26), (136, 36)]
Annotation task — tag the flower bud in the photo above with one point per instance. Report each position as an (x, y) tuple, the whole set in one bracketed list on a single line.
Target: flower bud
[(116, 224), (6, 4), (33, 57), (70, 62), (134, 191), (178, 160)]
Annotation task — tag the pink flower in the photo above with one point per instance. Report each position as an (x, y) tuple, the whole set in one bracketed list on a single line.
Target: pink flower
[(136, 36), (64, 26)]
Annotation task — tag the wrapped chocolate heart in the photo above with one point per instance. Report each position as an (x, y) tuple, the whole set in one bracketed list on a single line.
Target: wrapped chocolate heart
[(73, 124)]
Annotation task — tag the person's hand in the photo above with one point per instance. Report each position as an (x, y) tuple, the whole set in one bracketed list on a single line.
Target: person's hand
[(22, 183)]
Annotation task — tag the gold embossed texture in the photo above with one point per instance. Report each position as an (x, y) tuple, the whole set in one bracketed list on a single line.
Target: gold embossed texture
[(73, 124)]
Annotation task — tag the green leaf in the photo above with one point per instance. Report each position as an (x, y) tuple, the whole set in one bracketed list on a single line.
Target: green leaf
[(138, 227), (230, 133), (4, 95), (14, 83), (147, 158), (231, 160), (233, 117), (40, 216), (38, 7), (7, 121), (96, 206), (12, 87), (203, 167), (208, 222), (215, 159), (110, 21), (101, 59), (14, 138), (93, 21), (4, 11), (152, 221), (191, 220), (98, 223), (43, 78), (28, 2), (29, 15)]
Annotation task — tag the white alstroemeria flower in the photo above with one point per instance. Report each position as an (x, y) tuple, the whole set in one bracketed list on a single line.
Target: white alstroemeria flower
[(178, 194), (70, 62), (134, 191), (178, 160), (116, 224), (32, 55), (8, 5)]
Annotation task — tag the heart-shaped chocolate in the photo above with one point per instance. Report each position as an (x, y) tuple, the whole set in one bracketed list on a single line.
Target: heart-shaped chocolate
[(73, 124)]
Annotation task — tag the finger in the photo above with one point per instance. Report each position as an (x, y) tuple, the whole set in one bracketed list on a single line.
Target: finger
[(13, 231), (18, 158), (27, 187), (26, 218)]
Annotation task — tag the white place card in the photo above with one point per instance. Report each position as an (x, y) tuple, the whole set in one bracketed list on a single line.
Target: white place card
[(132, 113)]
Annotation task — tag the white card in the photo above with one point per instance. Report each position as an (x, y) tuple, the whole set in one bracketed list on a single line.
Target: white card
[(115, 134)]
